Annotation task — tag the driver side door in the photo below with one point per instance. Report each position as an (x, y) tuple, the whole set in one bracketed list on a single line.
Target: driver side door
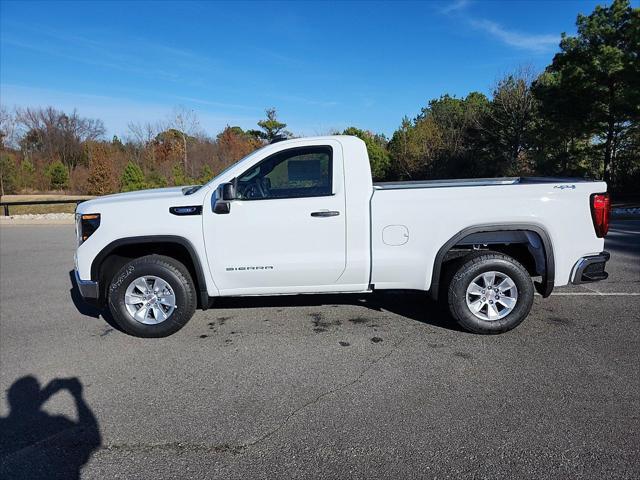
[(286, 230)]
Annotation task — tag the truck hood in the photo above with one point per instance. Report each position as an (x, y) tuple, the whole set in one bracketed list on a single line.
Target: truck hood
[(156, 195)]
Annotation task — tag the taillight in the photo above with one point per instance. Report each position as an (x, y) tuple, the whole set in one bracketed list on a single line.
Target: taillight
[(600, 208)]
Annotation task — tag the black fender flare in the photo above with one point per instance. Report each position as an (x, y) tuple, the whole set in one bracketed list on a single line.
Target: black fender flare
[(544, 288), (166, 239)]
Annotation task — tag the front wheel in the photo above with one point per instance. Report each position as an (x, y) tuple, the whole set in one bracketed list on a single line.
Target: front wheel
[(152, 296), (490, 293)]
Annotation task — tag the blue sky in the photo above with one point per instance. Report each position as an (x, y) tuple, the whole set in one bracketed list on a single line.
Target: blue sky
[(323, 65)]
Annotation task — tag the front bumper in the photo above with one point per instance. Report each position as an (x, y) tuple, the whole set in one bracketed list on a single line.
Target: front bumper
[(590, 269), (88, 288)]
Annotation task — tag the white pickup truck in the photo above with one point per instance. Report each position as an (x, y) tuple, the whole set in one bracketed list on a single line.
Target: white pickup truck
[(303, 216)]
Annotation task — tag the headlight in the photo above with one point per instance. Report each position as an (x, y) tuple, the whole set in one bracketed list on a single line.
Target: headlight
[(87, 224)]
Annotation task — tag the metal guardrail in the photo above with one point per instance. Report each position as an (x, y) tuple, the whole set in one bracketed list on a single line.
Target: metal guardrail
[(6, 205)]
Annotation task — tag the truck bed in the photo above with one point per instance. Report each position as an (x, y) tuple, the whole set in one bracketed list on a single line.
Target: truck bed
[(474, 182), (410, 221)]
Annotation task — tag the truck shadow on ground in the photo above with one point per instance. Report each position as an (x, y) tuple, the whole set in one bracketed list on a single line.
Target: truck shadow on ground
[(413, 305), (87, 309), (37, 445)]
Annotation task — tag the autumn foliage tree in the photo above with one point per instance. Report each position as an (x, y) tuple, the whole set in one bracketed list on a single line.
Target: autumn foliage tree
[(102, 176), (234, 143)]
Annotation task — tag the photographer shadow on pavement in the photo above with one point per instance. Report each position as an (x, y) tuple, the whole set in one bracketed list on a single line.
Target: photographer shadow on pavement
[(37, 445)]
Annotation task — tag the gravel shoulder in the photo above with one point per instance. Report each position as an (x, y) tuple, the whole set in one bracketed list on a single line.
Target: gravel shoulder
[(38, 219)]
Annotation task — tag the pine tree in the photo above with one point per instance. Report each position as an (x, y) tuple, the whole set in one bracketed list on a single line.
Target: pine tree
[(206, 174), (58, 175), (179, 177), (132, 178), (271, 127)]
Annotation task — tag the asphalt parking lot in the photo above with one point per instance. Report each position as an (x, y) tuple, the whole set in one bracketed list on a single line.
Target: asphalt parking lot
[(380, 386)]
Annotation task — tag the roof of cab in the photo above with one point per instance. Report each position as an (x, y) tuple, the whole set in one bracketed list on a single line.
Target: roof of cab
[(341, 138)]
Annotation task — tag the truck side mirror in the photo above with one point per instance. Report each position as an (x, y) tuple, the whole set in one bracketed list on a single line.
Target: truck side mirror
[(228, 191), (224, 194)]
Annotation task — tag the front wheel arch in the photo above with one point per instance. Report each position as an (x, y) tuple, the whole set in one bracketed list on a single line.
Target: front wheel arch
[(117, 253)]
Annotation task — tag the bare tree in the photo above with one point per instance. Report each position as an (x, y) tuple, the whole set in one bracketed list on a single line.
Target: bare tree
[(186, 122), (7, 128), (56, 133), (142, 135), (509, 121)]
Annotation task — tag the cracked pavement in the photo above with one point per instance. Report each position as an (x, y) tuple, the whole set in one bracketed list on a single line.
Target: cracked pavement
[(379, 386)]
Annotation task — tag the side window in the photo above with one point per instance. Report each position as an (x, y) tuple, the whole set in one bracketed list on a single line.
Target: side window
[(297, 172)]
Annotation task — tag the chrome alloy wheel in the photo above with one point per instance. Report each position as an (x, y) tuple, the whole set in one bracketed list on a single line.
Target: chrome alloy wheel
[(150, 300), (492, 296)]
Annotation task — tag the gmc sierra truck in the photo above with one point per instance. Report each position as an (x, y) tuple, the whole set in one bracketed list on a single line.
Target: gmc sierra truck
[(303, 216)]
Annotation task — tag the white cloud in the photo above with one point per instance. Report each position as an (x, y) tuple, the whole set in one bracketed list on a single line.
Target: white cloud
[(536, 43), (455, 6)]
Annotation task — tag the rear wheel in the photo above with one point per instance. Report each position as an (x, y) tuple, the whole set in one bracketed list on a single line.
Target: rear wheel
[(490, 293), (152, 296)]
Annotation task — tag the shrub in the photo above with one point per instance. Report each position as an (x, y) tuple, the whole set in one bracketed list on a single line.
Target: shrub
[(27, 175), (155, 180), (8, 181), (58, 175), (179, 177), (132, 178), (206, 174)]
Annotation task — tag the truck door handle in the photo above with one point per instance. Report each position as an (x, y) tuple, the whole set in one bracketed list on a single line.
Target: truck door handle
[(325, 213)]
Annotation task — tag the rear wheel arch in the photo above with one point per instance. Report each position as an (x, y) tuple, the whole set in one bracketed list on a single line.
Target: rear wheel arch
[(112, 257), (502, 237)]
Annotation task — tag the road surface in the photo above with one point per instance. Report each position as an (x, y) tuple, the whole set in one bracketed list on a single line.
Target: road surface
[(380, 386)]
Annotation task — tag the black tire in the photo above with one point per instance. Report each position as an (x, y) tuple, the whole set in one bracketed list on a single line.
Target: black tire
[(167, 269), (466, 270)]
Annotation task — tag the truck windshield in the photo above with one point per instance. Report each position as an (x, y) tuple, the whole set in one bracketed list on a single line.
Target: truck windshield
[(234, 164)]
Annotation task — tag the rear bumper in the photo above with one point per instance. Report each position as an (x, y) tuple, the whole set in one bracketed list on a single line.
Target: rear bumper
[(590, 269), (88, 288)]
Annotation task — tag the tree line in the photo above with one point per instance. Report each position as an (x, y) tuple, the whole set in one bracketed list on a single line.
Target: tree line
[(579, 117)]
